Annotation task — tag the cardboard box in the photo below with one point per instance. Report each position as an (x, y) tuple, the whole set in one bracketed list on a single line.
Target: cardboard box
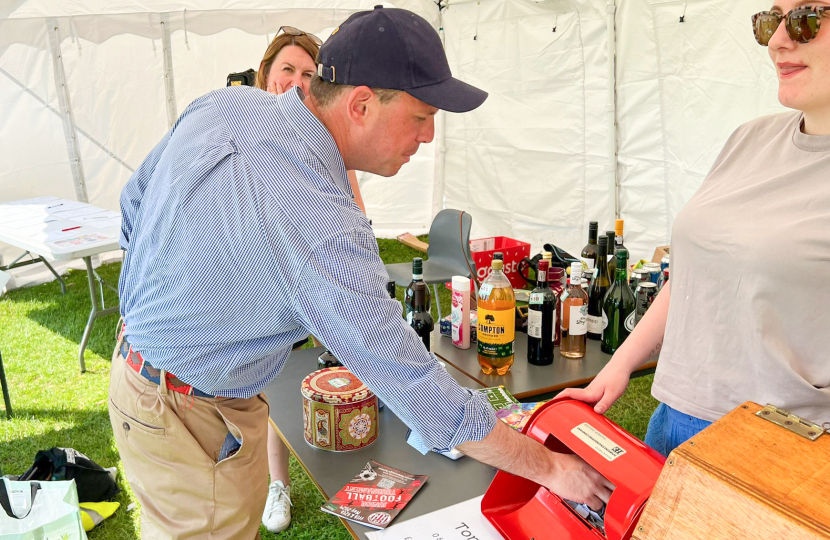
[(659, 253)]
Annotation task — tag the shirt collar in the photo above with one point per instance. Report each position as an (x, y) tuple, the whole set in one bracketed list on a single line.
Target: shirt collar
[(316, 137)]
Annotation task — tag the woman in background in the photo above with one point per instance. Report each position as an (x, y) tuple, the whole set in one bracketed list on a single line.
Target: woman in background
[(289, 61), (742, 317)]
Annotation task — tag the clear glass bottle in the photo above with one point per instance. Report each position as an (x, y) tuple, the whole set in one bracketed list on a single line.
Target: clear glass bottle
[(596, 293), (574, 326), (496, 321)]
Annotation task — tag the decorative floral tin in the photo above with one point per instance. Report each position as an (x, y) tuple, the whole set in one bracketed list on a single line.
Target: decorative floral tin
[(340, 413)]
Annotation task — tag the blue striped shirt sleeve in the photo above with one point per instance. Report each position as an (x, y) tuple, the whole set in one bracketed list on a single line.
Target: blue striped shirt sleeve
[(341, 299)]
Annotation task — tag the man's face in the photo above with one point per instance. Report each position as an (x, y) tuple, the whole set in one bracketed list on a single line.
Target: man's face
[(393, 132)]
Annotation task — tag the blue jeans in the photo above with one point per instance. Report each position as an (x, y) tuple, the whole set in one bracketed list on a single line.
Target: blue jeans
[(669, 428)]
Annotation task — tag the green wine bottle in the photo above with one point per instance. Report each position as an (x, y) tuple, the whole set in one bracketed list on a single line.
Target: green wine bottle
[(619, 307)]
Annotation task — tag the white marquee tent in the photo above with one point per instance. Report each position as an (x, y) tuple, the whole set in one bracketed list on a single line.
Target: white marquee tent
[(597, 108)]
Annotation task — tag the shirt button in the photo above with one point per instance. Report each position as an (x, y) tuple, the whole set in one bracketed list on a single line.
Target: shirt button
[(126, 426)]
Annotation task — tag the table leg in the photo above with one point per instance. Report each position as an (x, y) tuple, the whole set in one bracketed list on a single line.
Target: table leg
[(96, 311), (5, 387), (36, 259)]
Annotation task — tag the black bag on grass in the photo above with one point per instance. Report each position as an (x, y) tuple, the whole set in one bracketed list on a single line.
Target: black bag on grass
[(94, 483)]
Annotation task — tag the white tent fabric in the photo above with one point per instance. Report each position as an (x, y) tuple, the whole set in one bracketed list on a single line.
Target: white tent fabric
[(584, 119)]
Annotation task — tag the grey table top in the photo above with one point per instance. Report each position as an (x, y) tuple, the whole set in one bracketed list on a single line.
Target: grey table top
[(525, 380), (450, 482)]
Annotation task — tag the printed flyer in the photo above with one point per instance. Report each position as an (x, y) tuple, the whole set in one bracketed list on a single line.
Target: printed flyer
[(375, 496)]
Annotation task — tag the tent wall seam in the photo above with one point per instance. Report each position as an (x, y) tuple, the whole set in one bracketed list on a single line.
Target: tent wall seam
[(169, 86), (441, 148), (67, 118), (613, 143)]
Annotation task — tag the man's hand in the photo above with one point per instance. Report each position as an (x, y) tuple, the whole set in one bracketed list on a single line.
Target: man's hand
[(566, 475), (603, 391), (575, 480)]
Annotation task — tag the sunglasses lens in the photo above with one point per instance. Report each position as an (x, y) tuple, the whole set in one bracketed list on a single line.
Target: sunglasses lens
[(765, 26), (802, 25)]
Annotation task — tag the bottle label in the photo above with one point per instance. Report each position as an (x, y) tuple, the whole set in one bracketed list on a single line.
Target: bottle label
[(595, 324), (417, 277), (579, 320), (629, 321), (534, 323), (536, 299), (456, 317), (589, 263), (540, 276), (496, 332), (485, 290)]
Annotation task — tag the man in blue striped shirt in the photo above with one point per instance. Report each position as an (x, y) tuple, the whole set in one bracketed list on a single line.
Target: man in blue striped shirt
[(241, 238)]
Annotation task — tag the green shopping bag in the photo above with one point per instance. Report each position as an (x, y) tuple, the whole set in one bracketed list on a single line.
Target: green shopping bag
[(40, 511)]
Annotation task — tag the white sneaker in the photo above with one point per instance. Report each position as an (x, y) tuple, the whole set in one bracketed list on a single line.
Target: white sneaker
[(277, 514)]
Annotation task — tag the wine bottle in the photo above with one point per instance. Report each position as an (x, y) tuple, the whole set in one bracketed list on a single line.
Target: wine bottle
[(574, 325), (589, 252), (541, 312), (417, 275), (421, 320), (612, 262), (619, 308), (597, 292)]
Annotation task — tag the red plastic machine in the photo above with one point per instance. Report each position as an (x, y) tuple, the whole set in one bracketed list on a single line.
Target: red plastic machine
[(523, 510)]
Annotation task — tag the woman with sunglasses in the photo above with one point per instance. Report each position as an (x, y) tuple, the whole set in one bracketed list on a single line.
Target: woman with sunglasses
[(289, 61), (744, 315)]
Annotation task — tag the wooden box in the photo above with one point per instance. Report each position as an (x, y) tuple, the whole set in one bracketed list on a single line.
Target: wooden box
[(744, 477)]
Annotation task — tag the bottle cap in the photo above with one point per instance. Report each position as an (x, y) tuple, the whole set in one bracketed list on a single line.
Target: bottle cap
[(622, 256), (547, 256), (576, 272), (498, 264), (610, 234), (543, 265), (498, 255), (602, 241), (593, 225), (618, 227), (417, 265), (461, 283)]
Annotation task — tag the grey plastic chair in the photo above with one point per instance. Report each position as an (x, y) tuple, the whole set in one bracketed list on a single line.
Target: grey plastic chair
[(449, 246)]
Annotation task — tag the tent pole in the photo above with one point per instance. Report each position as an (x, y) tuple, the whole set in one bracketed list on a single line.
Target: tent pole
[(440, 129), (169, 87), (611, 8), (69, 129)]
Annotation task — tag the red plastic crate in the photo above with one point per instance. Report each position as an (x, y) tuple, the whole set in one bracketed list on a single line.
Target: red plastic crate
[(520, 509), (513, 250)]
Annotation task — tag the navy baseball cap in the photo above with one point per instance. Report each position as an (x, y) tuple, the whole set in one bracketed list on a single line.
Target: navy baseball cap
[(398, 50)]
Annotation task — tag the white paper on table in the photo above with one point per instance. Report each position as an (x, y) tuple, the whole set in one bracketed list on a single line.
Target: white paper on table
[(106, 223), (462, 520), (92, 218), (83, 240), (75, 213), (30, 222), (63, 205), (36, 200)]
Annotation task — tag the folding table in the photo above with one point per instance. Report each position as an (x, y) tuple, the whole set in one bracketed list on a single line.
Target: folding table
[(54, 229)]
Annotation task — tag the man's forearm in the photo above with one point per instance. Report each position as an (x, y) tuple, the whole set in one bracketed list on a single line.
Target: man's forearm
[(510, 451)]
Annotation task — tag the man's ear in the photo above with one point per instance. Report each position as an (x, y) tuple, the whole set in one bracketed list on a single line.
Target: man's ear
[(358, 104)]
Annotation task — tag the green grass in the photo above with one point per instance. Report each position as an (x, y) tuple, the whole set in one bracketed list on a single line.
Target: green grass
[(55, 405)]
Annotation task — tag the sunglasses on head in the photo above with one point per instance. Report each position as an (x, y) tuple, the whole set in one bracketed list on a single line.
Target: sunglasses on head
[(802, 24), (291, 31)]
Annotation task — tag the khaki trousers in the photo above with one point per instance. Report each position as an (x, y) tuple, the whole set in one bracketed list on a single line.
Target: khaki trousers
[(169, 443)]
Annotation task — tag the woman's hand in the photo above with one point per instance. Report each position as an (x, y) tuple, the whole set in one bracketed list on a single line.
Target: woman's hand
[(604, 390)]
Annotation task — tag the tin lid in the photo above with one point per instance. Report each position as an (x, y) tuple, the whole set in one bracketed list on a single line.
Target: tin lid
[(334, 385)]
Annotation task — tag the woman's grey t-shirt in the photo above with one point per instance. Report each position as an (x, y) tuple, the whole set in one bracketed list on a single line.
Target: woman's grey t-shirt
[(749, 318)]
